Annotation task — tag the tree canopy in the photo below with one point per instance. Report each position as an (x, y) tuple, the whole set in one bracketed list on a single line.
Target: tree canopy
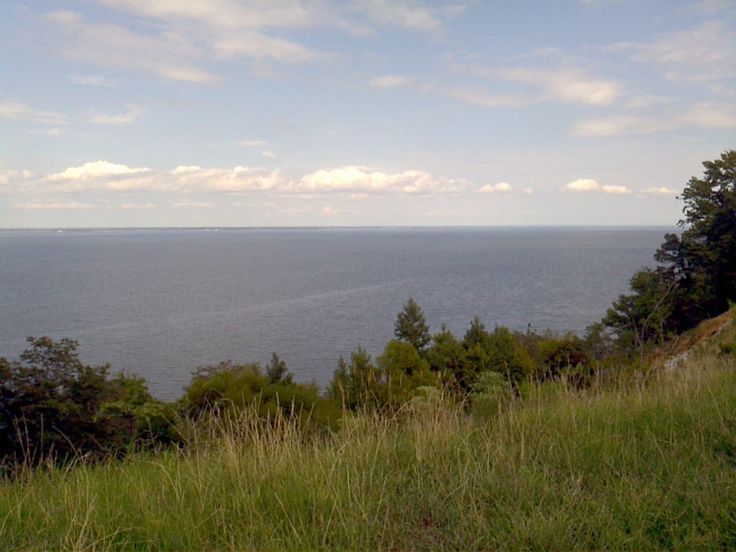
[(696, 275), (411, 326)]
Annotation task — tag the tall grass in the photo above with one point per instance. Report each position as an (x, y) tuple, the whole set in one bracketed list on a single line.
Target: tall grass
[(641, 468)]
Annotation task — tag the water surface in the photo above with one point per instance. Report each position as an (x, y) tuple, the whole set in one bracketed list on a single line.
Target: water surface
[(162, 302)]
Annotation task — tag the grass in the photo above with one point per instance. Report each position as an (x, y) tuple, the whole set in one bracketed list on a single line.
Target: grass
[(636, 468)]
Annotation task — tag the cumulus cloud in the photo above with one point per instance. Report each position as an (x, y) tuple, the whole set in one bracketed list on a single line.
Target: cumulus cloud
[(10, 109), (615, 189), (13, 176), (583, 185), (591, 185), (390, 81), (96, 169), (131, 114), (660, 191), (362, 179), (501, 187), (106, 177)]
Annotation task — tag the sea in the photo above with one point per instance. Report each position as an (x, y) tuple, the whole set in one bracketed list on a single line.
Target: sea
[(161, 302)]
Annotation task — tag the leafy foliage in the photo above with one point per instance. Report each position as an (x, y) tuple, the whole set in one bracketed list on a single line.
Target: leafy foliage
[(53, 405), (229, 388), (696, 276), (411, 326)]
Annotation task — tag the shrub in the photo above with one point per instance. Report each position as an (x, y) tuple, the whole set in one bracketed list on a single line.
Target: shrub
[(53, 405)]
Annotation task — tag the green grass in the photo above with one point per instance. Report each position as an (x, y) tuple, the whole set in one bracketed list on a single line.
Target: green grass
[(638, 468)]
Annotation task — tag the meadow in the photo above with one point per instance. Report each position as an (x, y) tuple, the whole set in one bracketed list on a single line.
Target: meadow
[(642, 463)]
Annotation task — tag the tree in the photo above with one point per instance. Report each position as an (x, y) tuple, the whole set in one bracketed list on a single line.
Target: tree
[(476, 334), (696, 276), (446, 356), (277, 372), (357, 383), (403, 370), (646, 315), (411, 326), (53, 405), (703, 258), (507, 356)]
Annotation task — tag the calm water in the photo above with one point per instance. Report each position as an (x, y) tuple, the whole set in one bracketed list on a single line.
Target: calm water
[(162, 302)]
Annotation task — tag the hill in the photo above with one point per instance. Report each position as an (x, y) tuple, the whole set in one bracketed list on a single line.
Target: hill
[(641, 466)]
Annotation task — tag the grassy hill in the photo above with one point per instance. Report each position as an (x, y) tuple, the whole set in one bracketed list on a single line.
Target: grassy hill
[(640, 466)]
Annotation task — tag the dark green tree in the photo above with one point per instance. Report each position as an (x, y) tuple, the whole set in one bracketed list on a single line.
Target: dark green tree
[(644, 316), (411, 326), (446, 357), (403, 370), (696, 275), (277, 372), (703, 259), (358, 383), (53, 405)]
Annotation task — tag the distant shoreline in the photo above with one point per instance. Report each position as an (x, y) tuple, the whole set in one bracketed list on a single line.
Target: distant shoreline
[(327, 228)]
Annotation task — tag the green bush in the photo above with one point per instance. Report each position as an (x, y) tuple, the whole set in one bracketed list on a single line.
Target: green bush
[(229, 388), (54, 406)]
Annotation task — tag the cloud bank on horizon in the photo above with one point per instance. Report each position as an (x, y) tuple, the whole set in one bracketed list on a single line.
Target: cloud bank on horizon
[(369, 112)]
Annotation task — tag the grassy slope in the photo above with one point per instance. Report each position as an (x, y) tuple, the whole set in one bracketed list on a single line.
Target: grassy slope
[(643, 468)]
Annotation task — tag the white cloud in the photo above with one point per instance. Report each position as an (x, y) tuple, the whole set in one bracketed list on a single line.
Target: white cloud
[(329, 211), (567, 84), (361, 179), (170, 55), (705, 52), (648, 100), (96, 169), (192, 204), (226, 14), (618, 190), (91, 80), (53, 132), (704, 115), (390, 81), (583, 185), (106, 177), (400, 13), (11, 176), (137, 205), (132, 114), (501, 187), (268, 154), (660, 191), (256, 45), (477, 97), (18, 111), (184, 169), (53, 205)]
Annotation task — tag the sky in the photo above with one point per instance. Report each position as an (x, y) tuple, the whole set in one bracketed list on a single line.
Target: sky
[(163, 113)]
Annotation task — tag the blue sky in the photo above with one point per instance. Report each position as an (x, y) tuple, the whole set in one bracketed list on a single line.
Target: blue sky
[(363, 112)]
